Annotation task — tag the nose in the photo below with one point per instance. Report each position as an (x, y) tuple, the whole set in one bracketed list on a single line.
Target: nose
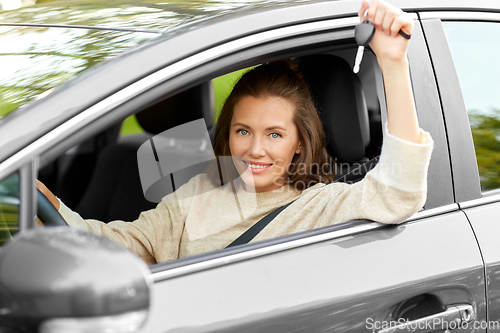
[(257, 148)]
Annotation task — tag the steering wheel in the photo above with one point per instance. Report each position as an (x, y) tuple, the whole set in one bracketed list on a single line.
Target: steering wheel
[(47, 213)]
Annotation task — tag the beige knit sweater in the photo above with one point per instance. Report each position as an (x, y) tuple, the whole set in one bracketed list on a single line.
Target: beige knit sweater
[(200, 217)]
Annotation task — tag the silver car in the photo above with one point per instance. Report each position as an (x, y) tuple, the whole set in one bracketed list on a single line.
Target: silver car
[(71, 73)]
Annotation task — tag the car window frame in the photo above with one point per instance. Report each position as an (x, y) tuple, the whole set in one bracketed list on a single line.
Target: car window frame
[(431, 119), (127, 101), (467, 185)]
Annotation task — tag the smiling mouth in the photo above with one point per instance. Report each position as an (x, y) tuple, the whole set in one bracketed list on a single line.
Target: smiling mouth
[(258, 166)]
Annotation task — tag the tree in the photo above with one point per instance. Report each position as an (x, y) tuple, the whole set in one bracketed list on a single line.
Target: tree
[(485, 128)]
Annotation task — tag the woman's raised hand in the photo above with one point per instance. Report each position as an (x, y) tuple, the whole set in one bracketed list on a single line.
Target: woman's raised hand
[(387, 43), (391, 50)]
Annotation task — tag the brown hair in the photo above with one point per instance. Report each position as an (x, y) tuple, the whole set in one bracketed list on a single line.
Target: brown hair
[(277, 79)]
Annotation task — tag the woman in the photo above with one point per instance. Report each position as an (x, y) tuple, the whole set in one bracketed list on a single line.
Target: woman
[(270, 129)]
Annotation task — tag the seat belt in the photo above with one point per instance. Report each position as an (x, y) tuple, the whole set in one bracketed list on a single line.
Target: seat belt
[(250, 234)]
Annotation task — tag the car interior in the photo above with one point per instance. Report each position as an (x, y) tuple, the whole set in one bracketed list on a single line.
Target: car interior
[(99, 177)]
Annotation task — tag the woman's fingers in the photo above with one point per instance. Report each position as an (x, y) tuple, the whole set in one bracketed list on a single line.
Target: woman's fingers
[(52, 198), (41, 186), (380, 19), (385, 17), (361, 13), (402, 22), (388, 22), (380, 16), (371, 11)]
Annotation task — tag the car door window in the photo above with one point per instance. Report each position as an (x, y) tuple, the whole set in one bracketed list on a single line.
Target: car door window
[(475, 48), (174, 147), (9, 207), (122, 183)]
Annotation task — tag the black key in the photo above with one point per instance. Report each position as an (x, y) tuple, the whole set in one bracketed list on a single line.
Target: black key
[(363, 34)]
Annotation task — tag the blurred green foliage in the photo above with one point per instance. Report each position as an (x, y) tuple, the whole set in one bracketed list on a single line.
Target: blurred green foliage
[(223, 85), (9, 207), (485, 128), (33, 60), (130, 126)]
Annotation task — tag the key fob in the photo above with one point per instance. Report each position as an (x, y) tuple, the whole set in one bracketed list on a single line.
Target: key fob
[(363, 33)]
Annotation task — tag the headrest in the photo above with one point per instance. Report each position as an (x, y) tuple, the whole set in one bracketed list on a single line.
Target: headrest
[(339, 98), (192, 104)]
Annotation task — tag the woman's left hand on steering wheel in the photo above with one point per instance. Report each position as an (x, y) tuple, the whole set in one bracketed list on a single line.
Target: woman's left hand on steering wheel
[(48, 207)]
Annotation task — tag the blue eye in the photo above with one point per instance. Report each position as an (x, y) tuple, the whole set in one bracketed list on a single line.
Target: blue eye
[(275, 135), (243, 132)]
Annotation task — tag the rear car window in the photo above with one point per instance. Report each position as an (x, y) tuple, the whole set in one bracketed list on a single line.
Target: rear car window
[(475, 47)]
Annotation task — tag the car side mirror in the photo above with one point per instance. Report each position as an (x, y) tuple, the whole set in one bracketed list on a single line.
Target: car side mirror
[(60, 279)]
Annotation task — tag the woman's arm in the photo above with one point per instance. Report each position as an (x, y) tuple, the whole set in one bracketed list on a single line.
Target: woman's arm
[(154, 236), (391, 51), (397, 187)]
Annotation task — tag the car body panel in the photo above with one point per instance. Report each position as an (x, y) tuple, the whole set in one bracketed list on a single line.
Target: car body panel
[(430, 117), (485, 220), (464, 165), (481, 209), (330, 286)]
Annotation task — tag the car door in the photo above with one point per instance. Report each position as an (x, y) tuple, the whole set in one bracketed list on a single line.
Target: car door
[(463, 46), (357, 276)]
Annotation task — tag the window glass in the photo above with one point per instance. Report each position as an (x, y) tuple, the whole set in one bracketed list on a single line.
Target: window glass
[(207, 198), (9, 207), (222, 87), (475, 48)]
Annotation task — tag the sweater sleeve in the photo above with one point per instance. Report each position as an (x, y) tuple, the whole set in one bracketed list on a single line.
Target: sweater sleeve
[(155, 236), (390, 193)]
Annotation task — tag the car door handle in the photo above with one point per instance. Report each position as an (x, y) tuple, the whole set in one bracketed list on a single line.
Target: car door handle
[(453, 317)]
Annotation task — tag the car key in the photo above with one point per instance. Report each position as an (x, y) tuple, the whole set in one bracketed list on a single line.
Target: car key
[(363, 34)]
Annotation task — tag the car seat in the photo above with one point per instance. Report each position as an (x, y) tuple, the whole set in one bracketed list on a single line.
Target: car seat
[(340, 101), (115, 191)]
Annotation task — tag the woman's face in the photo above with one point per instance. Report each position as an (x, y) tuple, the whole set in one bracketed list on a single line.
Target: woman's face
[(263, 140)]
